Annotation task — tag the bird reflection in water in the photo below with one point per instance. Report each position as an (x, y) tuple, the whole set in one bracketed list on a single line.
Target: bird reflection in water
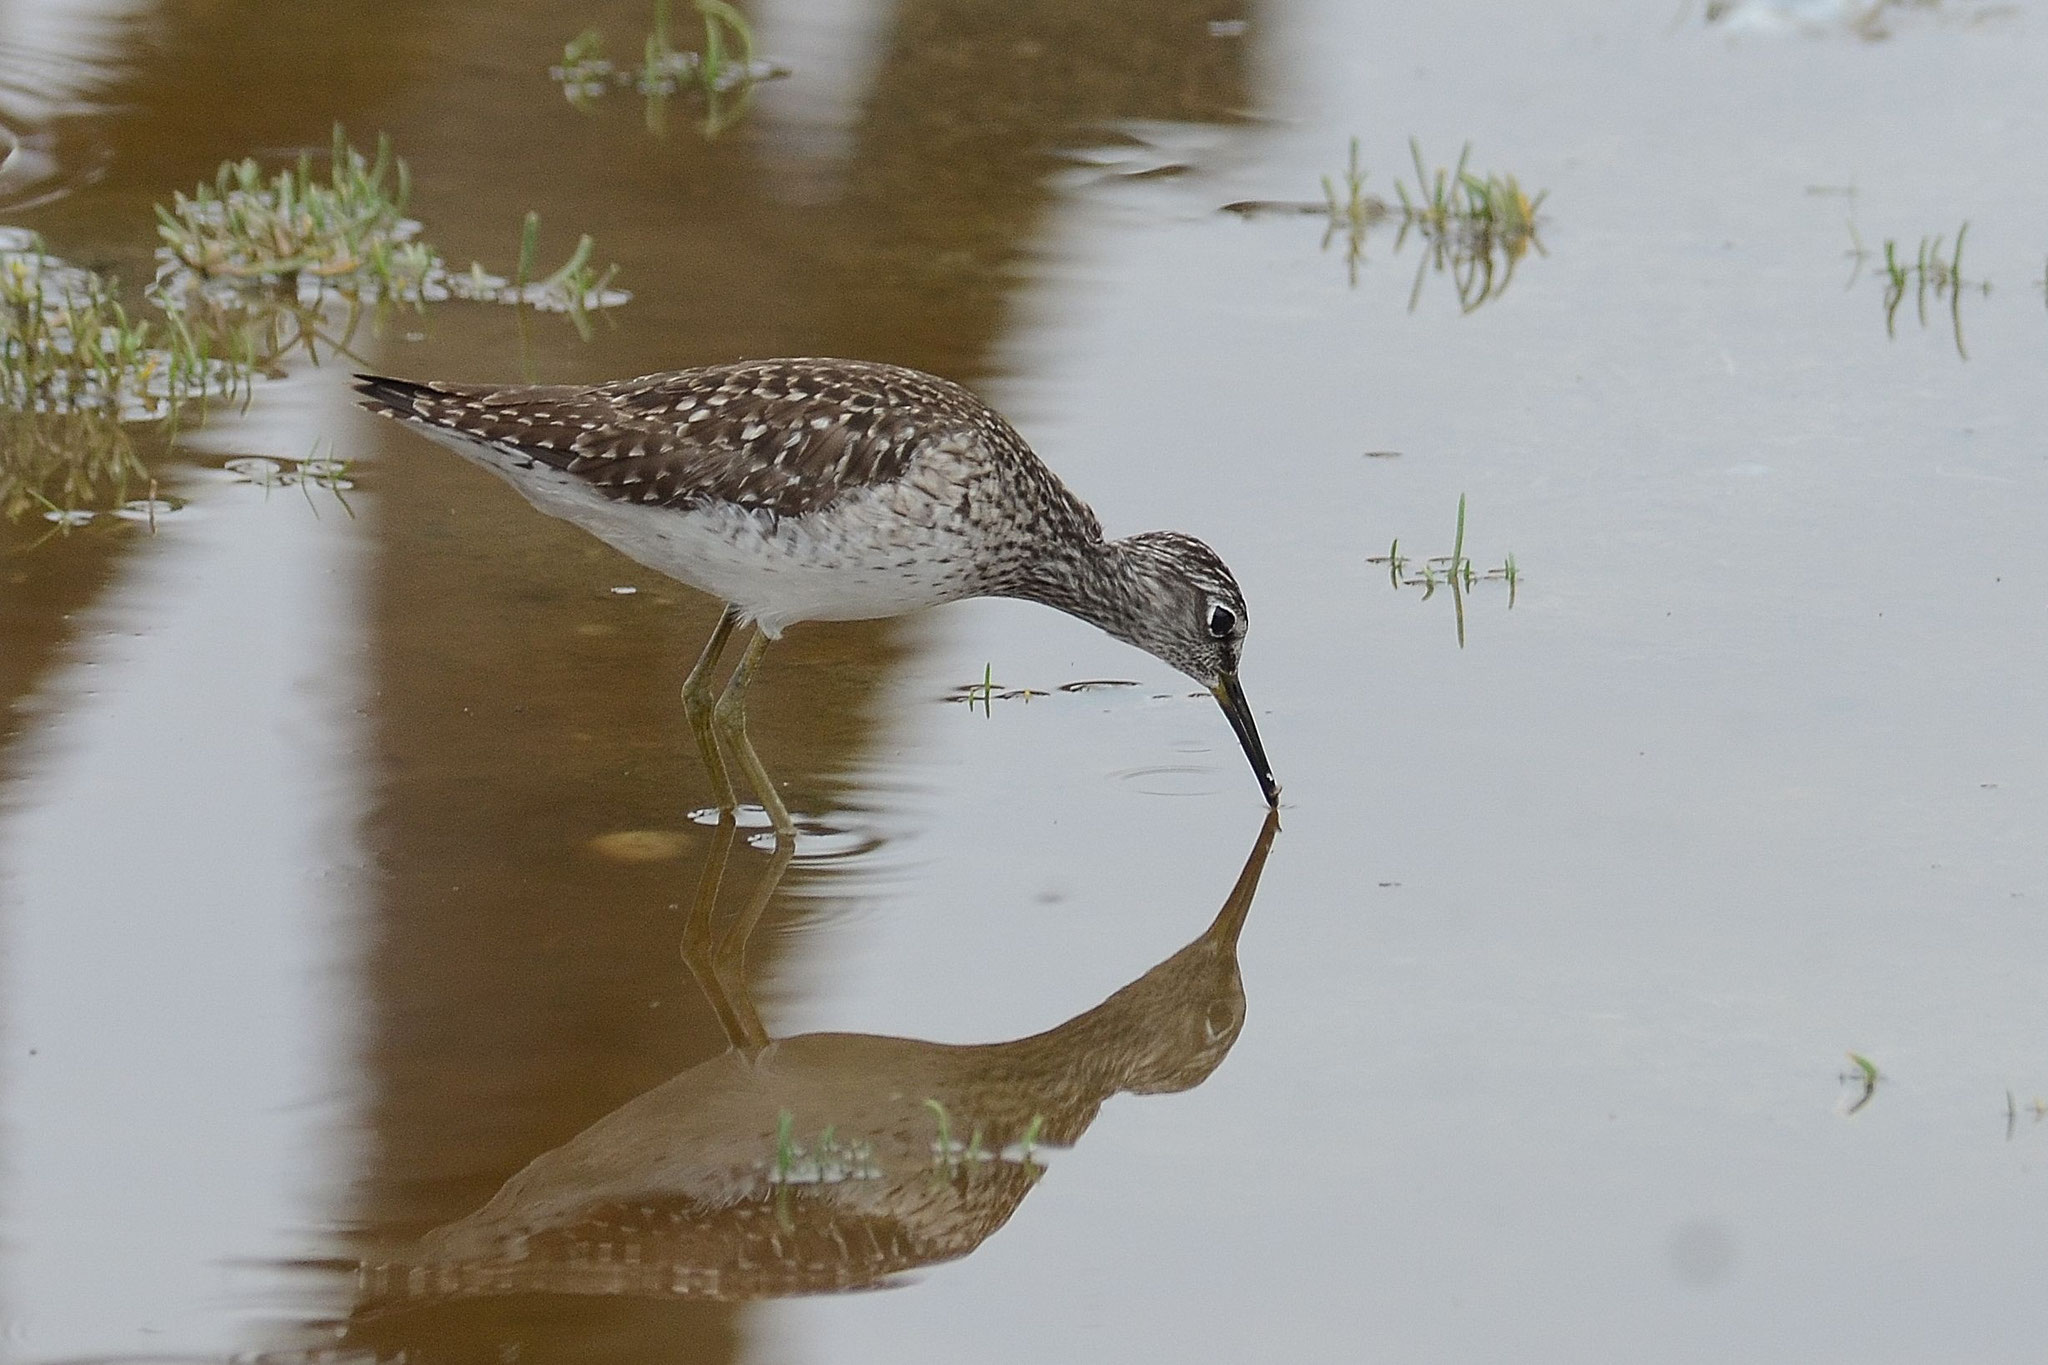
[(826, 1161)]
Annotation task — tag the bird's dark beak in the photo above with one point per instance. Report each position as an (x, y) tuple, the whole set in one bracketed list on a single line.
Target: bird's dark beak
[(1231, 697)]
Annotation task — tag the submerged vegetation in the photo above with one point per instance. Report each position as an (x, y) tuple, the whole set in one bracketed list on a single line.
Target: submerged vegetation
[(953, 1158), (827, 1160), (75, 368), (68, 345), (720, 78), (252, 267), (1474, 228), (1453, 571), (831, 1158), (65, 464)]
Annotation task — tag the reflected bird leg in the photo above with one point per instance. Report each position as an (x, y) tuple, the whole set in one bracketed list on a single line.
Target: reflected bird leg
[(718, 962), (729, 960), (699, 939), (699, 704), (731, 717), (701, 942)]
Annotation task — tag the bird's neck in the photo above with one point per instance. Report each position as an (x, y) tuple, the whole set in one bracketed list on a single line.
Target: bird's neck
[(1084, 578)]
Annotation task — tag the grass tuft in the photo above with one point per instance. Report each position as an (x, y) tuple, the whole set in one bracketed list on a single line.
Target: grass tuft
[(252, 266), (346, 225), (985, 691), (1474, 228), (1936, 273), (339, 239)]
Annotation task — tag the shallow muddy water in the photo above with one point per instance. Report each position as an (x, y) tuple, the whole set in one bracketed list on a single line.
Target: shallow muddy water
[(349, 859)]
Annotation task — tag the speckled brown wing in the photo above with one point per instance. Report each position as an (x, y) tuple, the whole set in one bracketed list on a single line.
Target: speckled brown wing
[(787, 437)]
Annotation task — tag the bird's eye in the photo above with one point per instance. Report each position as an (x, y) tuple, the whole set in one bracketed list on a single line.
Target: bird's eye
[(1222, 621)]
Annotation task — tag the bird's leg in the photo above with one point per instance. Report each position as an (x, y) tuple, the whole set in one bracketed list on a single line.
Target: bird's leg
[(699, 702), (731, 716)]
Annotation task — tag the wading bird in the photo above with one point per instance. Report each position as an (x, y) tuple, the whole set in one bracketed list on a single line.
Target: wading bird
[(831, 490)]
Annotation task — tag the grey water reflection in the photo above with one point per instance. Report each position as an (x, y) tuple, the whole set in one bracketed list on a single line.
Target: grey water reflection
[(825, 1161), (179, 905)]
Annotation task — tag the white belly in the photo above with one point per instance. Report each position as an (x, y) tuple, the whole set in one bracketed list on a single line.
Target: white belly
[(871, 554)]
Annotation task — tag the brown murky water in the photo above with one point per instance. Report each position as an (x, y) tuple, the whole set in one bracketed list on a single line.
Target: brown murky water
[(347, 863)]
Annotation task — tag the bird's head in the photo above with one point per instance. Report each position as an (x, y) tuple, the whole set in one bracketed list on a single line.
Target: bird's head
[(1185, 607)]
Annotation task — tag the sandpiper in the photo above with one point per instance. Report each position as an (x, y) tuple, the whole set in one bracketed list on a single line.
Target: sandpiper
[(831, 490)]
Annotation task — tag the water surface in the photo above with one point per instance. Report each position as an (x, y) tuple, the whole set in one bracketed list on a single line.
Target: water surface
[(317, 929)]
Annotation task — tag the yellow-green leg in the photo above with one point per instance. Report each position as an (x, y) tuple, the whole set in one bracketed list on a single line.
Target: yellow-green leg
[(731, 717), (700, 704)]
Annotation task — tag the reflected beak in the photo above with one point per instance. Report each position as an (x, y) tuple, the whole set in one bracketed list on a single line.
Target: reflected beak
[(1231, 697)]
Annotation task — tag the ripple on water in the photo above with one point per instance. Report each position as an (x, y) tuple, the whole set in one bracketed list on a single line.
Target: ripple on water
[(149, 509), (1172, 779), (28, 166), (49, 143), (255, 469), (820, 839), (261, 470)]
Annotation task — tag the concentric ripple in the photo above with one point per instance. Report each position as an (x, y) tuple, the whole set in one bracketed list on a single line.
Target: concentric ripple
[(50, 137)]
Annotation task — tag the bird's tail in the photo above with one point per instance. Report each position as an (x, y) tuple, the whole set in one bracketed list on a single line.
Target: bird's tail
[(392, 397)]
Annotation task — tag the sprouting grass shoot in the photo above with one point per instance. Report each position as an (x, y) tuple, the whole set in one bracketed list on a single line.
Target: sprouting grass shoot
[(1454, 570)]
